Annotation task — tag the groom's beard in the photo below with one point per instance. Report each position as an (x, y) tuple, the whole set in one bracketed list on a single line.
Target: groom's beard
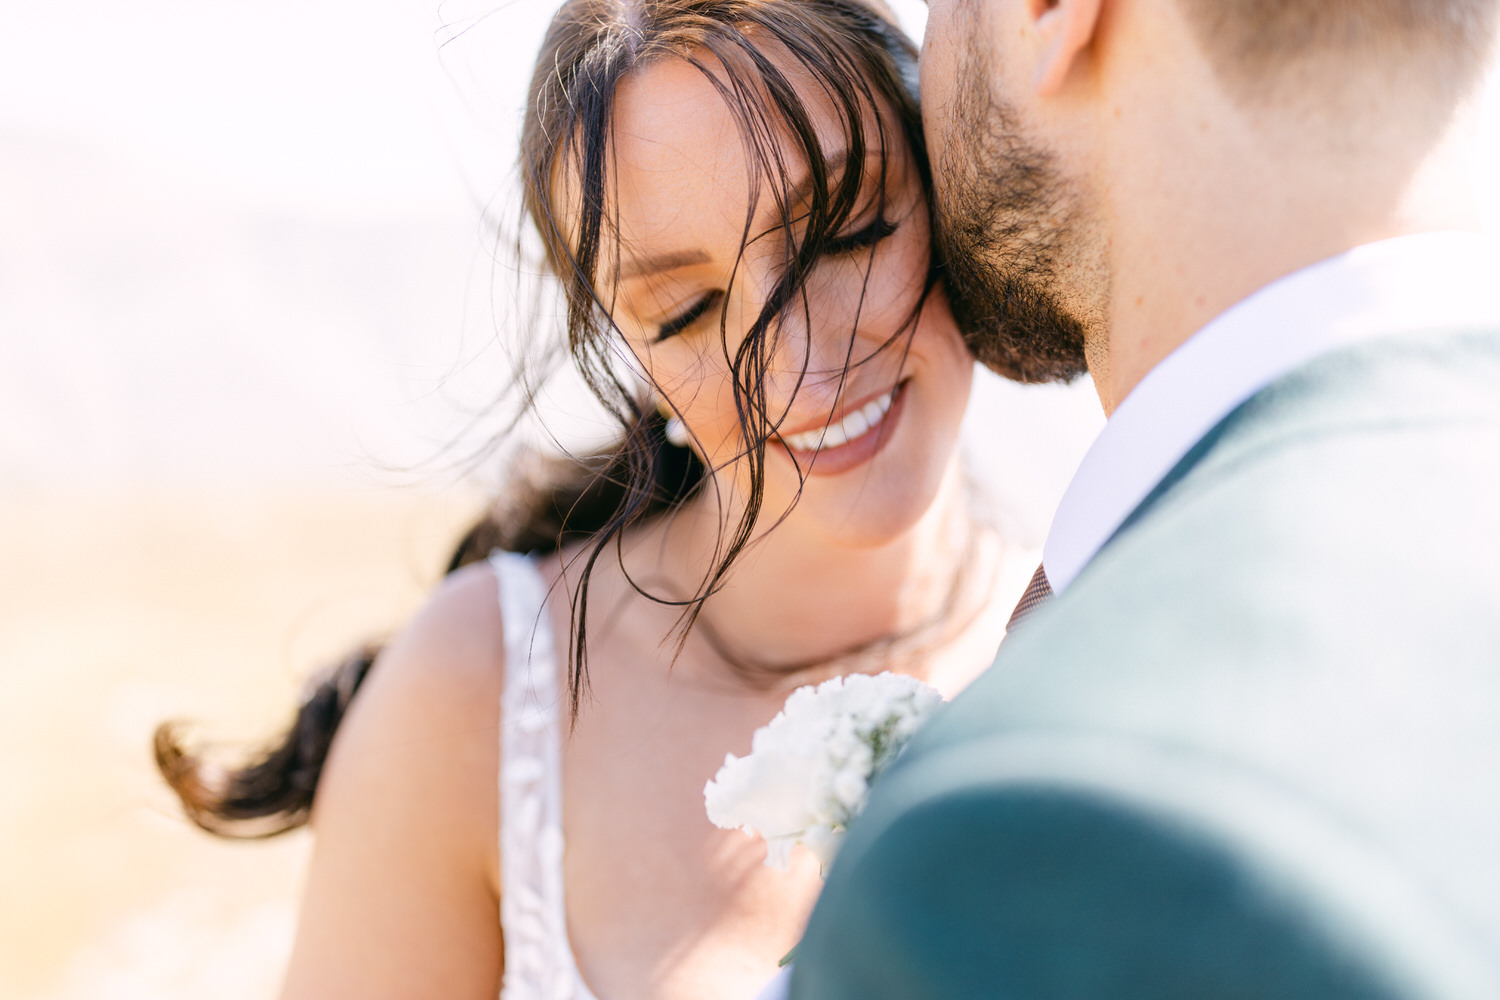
[(1003, 218)]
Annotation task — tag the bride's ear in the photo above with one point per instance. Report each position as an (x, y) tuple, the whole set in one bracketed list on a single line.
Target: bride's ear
[(1065, 28)]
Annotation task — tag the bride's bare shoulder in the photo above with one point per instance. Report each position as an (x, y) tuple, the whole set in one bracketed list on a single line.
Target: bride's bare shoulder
[(441, 677), (457, 636), (445, 672), (447, 665), (425, 723), (401, 895)]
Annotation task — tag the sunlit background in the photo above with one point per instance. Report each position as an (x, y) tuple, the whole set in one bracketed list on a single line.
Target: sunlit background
[(246, 297)]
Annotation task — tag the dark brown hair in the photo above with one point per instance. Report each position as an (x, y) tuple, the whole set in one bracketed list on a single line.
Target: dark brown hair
[(861, 63)]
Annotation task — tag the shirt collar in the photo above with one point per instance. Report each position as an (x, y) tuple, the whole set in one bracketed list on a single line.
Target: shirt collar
[(1426, 281)]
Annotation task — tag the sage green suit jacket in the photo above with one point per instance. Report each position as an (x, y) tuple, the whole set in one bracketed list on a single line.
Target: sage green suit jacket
[(1253, 751)]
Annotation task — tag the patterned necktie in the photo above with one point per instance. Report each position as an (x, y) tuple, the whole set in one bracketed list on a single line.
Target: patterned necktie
[(1037, 592)]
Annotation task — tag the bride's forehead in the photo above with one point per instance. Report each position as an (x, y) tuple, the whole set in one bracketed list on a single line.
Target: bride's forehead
[(680, 173), (668, 117), (673, 118)]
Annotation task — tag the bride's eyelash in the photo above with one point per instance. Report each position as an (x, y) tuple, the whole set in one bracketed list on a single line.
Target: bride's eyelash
[(695, 312), (861, 239), (838, 246)]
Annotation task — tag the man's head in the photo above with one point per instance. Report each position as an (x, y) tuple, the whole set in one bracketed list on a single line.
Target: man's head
[(1078, 144), (1260, 45)]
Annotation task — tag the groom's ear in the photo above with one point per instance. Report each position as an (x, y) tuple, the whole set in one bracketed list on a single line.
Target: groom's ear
[(1065, 28)]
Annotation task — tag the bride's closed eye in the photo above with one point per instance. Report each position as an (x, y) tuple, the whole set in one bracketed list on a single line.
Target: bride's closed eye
[(694, 313), (861, 239), (843, 245)]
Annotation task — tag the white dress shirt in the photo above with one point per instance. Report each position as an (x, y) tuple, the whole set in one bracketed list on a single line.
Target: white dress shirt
[(777, 988), (1428, 281)]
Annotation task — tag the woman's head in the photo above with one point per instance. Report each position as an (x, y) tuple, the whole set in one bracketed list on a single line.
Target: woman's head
[(734, 191), (774, 149)]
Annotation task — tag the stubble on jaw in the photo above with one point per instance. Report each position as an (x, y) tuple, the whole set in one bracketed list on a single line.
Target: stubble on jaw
[(1008, 227)]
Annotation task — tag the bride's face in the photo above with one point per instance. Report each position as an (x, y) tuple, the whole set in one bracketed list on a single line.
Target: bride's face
[(867, 383)]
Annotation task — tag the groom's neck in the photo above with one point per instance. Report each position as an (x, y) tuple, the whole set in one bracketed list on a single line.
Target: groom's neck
[(1209, 196)]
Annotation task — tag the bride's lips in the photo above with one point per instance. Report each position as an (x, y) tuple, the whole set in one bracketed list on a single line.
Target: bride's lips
[(854, 438)]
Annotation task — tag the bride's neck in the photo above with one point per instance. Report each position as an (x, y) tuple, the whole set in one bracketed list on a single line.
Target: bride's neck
[(796, 597)]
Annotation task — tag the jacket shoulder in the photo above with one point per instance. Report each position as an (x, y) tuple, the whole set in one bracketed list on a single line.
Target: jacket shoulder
[(1038, 866)]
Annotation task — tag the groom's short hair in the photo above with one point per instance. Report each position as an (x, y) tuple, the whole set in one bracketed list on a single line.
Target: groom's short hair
[(1251, 40)]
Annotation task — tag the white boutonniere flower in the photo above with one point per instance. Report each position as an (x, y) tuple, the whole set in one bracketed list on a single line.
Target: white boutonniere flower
[(809, 770)]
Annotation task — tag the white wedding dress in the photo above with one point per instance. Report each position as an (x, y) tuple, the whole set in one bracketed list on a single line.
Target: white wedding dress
[(539, 961)]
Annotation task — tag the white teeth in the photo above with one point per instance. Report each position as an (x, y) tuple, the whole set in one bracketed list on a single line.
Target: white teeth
[(854, 425)]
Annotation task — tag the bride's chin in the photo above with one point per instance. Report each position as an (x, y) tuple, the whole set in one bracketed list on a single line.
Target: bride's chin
[(874, 531), (876, 512)]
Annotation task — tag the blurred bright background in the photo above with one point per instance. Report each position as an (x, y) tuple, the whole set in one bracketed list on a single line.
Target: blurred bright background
[(246, 297)]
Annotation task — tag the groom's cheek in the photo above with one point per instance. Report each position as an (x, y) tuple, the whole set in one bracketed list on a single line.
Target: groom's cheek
[(941, 63)]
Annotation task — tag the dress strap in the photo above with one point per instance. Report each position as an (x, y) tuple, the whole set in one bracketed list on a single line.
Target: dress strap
[(539, 963)]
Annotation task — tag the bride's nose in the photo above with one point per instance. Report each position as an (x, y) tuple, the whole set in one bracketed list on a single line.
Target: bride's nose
[(808, 344), (805, 359)]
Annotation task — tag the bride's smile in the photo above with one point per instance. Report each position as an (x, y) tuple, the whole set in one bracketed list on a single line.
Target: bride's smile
[(848, 439)]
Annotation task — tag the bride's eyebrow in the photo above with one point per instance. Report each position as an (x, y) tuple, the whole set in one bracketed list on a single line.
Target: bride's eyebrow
[(636, 267)]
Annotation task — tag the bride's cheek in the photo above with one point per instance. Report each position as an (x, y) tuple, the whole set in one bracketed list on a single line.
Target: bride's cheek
[(684, 371)]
